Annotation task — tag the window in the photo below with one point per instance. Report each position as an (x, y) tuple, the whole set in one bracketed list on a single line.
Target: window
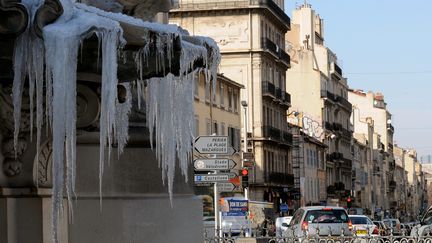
[(235, 101), (230, 94), (215, 128), (221, 95)]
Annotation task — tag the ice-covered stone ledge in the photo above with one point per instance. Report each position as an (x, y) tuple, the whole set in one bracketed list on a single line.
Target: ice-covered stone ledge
[(162, 58)]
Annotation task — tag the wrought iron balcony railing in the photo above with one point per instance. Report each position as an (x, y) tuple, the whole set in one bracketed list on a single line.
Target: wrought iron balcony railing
[(344, 103), (268, 89), (286, 98), (279, 178), (278, 93), (269, 45)]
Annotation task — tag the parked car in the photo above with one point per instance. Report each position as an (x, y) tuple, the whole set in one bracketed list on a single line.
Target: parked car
[(424, 228), (382, 228), (406, 229), (363, 226), (282, 224), (319, 221), (394, 225)]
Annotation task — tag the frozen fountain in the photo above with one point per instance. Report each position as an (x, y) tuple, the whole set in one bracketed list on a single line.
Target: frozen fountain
[(96, 122)]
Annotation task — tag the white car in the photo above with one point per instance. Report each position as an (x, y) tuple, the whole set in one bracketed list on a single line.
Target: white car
[(363, 226), (425, 226), (282, 225)]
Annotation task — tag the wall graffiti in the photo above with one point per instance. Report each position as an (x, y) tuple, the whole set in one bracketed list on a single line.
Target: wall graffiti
[(312, 127)]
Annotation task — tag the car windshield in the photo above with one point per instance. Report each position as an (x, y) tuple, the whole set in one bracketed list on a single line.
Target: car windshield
[(326, 216), (427, 219), (359, 220)]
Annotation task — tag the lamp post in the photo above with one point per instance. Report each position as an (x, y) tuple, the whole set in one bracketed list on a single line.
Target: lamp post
[(245, 106)]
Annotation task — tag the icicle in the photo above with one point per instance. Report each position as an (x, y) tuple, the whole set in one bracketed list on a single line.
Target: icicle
[(62, 41), (122, 119), (28, 61)]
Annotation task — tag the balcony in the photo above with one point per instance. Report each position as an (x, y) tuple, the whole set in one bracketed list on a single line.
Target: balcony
[(277, 135), (328, 126), (286, 98), (287, 138), (284, 57), (336, 71), (268, 89), (278, 93), (334, 156), (269, 45), (390, 128), (272, 133), (279, 178), (328, 95), (337, 126), (344, 103)]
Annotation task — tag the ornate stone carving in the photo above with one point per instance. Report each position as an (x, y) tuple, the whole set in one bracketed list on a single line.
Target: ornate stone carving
[(50, 11), (16, 18), (12, 164), (43, 166), (145, 10), (88, 106)]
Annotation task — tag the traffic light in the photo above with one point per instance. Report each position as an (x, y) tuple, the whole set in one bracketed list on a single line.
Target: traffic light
[(245, 177), (349, 202)]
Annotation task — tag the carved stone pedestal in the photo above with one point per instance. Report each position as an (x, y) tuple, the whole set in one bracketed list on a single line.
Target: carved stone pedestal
[(135, 205)]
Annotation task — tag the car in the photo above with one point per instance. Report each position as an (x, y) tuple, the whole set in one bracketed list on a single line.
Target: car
[(282, 224), (394, 225), (406, 229), (424, 228), (319, 221), (363, 226), (382, 228)]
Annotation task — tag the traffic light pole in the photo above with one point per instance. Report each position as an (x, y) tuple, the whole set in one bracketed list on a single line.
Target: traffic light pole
[(245, 105)]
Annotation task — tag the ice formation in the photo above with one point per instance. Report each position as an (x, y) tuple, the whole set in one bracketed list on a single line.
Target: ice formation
[(169, 100)]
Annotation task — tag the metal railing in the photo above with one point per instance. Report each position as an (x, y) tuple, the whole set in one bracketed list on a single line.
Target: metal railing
[(286, 98), (272, 235), (267, 44), (225, 4), (268, 89)]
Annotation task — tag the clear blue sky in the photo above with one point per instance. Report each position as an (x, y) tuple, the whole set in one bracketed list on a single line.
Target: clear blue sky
[(385, 45)]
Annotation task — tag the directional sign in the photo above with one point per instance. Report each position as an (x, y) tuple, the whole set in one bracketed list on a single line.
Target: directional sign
[(214, 164), (212, 144), (225, 187), (225, 177)]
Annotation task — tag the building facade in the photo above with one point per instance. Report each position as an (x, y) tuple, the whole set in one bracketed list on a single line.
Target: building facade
[(251, 37), (316, 77), (372, 105)]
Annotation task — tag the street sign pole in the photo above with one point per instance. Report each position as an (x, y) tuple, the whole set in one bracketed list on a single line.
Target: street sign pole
[(216, 208)]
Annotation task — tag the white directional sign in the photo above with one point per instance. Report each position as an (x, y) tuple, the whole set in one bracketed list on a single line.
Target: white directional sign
[(214, 177), (214, 164), (212, 144), (226, 187)]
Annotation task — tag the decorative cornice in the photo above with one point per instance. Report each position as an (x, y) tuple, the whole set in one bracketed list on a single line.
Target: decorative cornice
[(49, 12), (13, 18)]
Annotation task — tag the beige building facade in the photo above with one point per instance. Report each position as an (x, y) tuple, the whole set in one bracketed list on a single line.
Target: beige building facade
[(251, 38), (372, 105), (316, 77), (362, 173), (219, 116)]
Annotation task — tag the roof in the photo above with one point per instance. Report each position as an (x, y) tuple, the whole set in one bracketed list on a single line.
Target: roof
[(321, 207), (230, 81)]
